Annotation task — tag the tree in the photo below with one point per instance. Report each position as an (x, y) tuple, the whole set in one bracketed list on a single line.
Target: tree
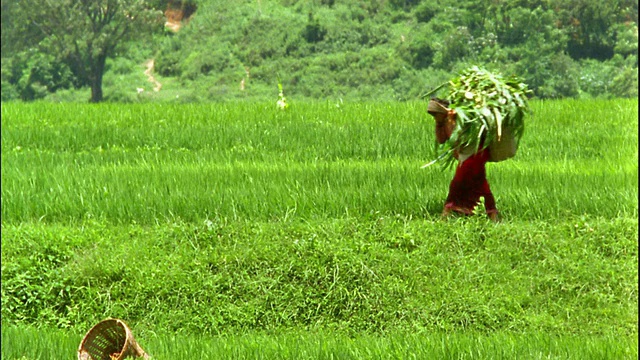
[(84, 33)]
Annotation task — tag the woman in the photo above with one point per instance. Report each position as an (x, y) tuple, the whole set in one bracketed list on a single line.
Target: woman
[(469, 183)]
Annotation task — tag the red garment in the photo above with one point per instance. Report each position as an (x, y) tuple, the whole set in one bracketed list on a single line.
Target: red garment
[(469, 184)]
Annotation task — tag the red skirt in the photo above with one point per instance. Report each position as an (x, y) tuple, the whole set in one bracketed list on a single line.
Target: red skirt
[(469, 184)]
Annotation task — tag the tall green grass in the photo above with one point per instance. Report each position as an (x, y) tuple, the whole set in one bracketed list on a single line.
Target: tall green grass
[(28, 344), (231, 219), (578, 276), (148, 163)]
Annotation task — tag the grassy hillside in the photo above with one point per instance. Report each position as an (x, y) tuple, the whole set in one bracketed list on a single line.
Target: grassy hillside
[(350, 50)]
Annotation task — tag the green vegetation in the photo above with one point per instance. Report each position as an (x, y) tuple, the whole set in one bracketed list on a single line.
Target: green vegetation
[(350, 50), (575, 276), (78, 37), (484, 104), (30, 343), (313, 232), (68, 162)]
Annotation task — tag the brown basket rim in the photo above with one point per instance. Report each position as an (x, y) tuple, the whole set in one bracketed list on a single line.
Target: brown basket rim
[(105, 324), (436, 107)]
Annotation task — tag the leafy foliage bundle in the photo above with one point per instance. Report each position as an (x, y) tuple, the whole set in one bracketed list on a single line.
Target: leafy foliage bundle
[(485, 103)]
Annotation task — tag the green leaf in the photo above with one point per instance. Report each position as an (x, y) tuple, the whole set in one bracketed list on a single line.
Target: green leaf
[(498, 122), (485, 103)]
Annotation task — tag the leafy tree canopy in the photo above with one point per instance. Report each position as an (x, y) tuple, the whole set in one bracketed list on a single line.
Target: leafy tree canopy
[(84, 33)]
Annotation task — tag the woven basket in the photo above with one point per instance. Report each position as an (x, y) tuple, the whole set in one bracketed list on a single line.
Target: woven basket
[(109, 339), (505, 148), (435, 107)]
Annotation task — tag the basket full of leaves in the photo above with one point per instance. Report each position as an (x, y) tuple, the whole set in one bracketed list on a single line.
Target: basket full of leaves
[(489, 113)]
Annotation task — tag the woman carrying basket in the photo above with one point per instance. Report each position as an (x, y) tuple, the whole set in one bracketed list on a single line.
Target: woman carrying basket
[(482, 120), (469, 183)]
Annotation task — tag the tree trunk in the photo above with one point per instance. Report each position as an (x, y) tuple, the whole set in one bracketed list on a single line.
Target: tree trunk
[(97, 70), (96, 91)]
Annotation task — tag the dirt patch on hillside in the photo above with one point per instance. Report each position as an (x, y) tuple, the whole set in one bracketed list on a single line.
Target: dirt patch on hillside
[(178, 14), (149, 64), (174, 19)]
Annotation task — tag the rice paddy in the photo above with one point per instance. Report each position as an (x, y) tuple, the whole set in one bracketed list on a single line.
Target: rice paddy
[(237, 230)]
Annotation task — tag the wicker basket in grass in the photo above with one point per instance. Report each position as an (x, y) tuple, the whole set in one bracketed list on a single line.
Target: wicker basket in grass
[(489, 111), (110, 339)]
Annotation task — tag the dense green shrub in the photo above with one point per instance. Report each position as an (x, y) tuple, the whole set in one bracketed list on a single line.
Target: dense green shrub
[(625, 83), (313, 32), (169, 56), (32, 75), (611, 78), (426, 11), (9, 90), (418, 48)]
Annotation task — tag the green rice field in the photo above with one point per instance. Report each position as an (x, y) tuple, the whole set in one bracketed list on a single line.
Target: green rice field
[(236, 230)]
